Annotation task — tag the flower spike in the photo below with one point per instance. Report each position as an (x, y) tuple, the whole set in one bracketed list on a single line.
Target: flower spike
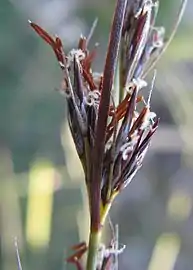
[(111, 137)]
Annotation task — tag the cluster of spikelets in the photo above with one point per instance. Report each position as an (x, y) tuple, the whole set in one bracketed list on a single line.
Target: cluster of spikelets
[(110, 132)]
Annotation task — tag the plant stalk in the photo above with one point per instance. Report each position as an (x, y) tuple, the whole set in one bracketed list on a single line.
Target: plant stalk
[(94, 241)]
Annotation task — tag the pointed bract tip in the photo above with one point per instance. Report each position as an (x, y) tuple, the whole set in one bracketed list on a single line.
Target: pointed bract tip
[(152, 87)]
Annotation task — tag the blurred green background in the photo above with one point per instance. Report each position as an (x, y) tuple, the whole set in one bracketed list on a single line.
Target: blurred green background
[(42, 195)]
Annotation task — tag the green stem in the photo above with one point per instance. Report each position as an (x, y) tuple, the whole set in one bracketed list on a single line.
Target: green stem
[(93, 247)]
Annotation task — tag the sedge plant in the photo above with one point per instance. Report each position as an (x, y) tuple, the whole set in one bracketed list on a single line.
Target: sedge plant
[(111, 123)]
